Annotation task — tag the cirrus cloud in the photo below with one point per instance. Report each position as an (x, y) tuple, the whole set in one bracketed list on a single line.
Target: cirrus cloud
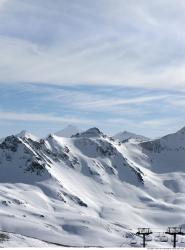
[(112, 42)]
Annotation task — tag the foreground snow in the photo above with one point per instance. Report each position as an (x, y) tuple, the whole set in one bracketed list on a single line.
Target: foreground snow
[(90, 190), (17, 240)]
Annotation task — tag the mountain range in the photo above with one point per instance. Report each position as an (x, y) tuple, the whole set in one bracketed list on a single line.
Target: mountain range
[(88, 189)]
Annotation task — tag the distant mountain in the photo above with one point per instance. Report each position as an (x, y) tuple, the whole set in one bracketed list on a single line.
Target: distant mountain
[(122, 136), (68, 131)]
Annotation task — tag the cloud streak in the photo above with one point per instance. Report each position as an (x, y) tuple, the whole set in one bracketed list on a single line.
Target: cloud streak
[(39, 117), (101, 102), (112, 42), (109, 63)]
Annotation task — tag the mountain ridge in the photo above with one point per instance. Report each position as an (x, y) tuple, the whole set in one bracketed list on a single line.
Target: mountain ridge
[(125, 135)]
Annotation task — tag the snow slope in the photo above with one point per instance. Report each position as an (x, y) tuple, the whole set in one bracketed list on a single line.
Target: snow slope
[(88, 190)]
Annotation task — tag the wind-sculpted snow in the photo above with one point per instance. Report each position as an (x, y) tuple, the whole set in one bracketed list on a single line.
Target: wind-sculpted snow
[(89, 190)]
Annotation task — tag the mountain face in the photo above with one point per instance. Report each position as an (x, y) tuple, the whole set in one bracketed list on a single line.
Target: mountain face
[(166, 154), (89, 190), (124, 136), (68, 131)]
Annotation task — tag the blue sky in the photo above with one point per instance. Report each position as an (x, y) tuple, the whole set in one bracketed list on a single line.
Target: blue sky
[(115, 64)]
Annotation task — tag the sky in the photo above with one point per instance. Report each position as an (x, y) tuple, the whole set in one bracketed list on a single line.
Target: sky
[(114, 64)]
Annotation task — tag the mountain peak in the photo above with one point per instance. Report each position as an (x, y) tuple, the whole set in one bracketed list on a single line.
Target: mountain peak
[(181, 131), (92, 132), (28, 135), (68, 131), (126, 135), (23, 133)]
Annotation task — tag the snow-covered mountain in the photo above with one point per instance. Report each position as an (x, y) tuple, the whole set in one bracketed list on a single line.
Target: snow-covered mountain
[(25, 134), (89, 190), (68, 131), (166, 154), (123, 136)]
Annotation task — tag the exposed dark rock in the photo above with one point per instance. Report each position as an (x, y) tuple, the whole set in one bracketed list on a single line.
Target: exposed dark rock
[(10, 143)]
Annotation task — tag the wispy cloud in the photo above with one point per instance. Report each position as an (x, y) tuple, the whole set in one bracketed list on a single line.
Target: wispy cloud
[(99, 62), (39, 117), (84, 100), (112, 42), (159, 127), (178, 102), (2, 2)]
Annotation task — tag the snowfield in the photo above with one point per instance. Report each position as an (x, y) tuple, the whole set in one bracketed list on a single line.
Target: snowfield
[(90, 189)]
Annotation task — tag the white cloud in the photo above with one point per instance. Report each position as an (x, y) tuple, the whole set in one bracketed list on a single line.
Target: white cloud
[(112, 42), (39, 117), (102, 102), (178, 101), (2, 2)]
